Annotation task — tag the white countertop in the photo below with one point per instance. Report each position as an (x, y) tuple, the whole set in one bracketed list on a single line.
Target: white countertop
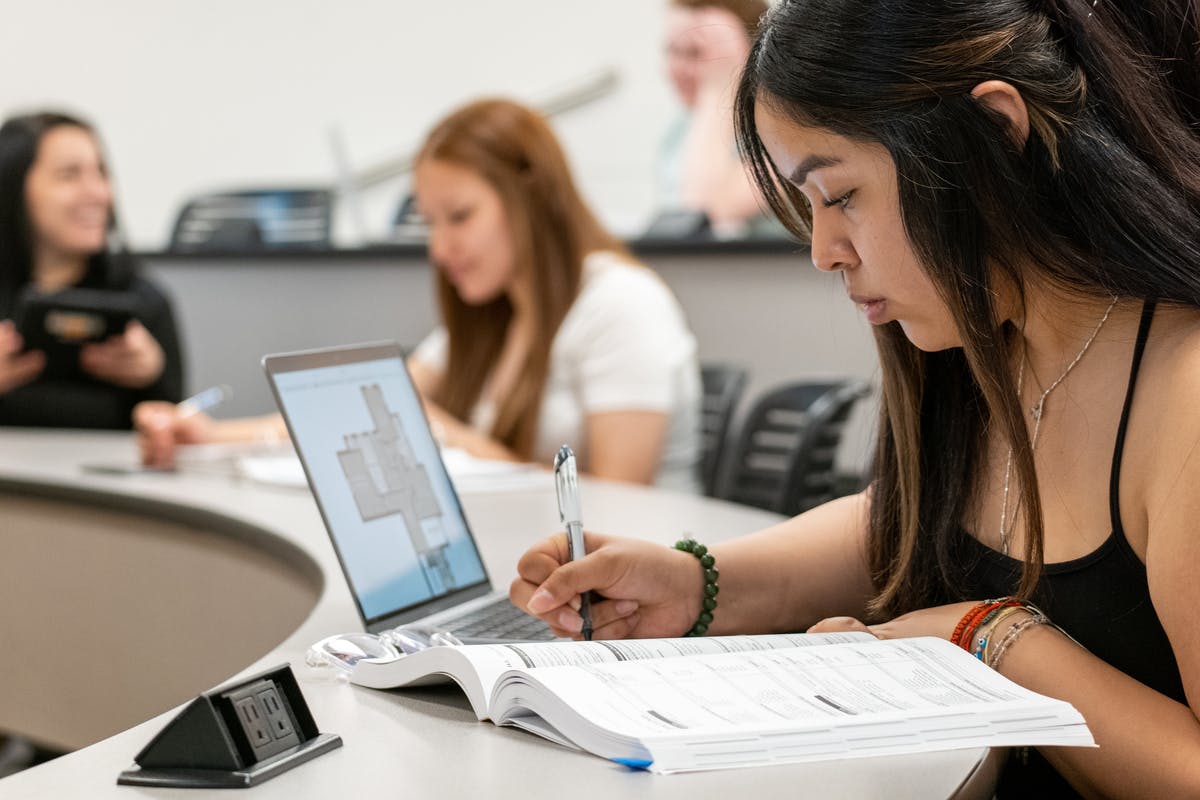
[(421, 743)]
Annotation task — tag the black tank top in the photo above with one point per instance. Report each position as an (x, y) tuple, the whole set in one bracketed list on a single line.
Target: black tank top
[(1102, 599)]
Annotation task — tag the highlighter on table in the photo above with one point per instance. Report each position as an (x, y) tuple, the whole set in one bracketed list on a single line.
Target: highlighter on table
[(211, 397)]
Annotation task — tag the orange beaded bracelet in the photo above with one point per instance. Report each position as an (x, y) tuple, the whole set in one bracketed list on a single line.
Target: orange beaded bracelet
[(964, 632)]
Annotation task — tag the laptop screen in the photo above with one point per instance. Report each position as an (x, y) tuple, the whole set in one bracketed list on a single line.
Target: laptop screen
[(395, 520)]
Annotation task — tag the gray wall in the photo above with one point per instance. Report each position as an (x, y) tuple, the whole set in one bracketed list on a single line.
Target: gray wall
[(773, 313)]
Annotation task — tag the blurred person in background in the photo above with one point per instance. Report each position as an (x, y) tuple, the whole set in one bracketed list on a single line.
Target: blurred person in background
[(57, 232)]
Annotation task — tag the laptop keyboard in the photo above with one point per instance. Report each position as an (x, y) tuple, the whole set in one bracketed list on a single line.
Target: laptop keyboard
[(501, 620)]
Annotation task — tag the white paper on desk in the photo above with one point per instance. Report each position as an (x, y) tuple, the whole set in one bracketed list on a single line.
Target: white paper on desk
[(273, 470), (187, 455), (230, 459), (469, 474)]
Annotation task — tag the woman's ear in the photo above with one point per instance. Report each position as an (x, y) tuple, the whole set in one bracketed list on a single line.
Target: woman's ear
[(1005, 99)]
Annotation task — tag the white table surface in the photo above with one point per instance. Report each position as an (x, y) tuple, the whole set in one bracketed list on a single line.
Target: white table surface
[(421, 743)]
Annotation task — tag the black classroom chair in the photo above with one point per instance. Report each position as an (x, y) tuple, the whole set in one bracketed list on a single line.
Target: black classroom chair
[(255, 219), (784, 458), (723, 385)]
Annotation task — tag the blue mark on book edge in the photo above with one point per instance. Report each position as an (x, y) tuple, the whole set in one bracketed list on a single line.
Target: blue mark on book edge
[(634, 763)]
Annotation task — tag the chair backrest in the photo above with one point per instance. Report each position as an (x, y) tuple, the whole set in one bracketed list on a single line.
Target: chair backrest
[(255, 219), (722, 389), (784, 459), (408, 226)]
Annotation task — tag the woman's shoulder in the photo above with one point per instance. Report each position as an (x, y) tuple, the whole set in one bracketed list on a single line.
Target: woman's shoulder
[(1172, 370), (621, 298), (1162, 449), (607, 274), (1179, 351)]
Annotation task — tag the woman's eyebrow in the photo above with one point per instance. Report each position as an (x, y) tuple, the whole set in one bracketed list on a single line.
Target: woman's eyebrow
[(800, 174)]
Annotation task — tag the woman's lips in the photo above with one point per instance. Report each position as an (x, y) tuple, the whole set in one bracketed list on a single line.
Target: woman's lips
[(873, 308)]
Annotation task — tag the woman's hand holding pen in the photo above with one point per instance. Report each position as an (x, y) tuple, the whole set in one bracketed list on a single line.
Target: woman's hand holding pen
[(161, 427), (642, 589)]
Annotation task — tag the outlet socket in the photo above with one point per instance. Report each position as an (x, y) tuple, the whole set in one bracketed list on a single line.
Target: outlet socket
[(264, 718), (279, 716)]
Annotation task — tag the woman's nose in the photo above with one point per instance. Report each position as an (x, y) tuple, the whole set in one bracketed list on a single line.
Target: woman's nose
[(438, 244), (831, 248), (97, 187)]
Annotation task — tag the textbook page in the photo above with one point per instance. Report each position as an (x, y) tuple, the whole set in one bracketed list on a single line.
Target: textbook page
[(740, 709), (477, 668)]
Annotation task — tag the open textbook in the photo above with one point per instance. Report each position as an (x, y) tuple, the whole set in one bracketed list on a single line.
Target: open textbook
[(670, 705)]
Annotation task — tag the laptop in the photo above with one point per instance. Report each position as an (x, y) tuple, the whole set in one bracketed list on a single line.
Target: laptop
[(387, 501)]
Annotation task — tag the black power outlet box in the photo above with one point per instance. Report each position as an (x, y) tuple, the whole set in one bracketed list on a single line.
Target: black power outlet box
[(235, 736)]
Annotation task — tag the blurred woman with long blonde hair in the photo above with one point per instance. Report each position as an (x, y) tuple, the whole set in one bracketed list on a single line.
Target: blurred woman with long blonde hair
[(550, 331)]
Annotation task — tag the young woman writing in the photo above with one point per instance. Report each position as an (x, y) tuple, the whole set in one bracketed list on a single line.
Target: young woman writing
[(1011, 196)]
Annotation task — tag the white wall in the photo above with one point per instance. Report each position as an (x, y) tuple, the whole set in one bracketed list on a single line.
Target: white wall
[(193, 96)]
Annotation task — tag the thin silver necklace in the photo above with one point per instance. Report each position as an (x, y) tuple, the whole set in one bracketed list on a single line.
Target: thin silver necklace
[(1037, 410)]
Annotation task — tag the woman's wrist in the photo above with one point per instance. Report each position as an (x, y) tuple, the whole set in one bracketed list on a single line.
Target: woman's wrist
[(687, 584), (992, 628), (705, 600)]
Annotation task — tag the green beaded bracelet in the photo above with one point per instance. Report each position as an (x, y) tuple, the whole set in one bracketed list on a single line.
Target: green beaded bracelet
[(709, 565)]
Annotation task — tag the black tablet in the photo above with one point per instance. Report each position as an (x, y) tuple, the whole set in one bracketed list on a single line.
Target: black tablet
[(72, 317)]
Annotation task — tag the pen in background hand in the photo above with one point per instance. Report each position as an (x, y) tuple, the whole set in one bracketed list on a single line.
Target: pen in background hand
[(211, 397), (566, 484)]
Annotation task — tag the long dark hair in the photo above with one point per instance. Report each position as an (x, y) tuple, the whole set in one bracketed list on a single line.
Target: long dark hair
[(1169, 31), (1103, 199), (20, 138), (514, 149)]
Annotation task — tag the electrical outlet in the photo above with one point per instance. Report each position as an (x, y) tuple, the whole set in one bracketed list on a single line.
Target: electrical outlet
[(265, 718), (279, 716), (254, 722)]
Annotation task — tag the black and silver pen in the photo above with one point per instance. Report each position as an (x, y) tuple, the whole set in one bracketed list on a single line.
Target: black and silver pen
[(566, 484)]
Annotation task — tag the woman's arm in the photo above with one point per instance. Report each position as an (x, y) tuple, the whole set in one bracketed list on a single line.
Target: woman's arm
[(625, 445), (780, 579), (1149, 744), (449, 430), (425, 377), (790, 575), (161, 428)]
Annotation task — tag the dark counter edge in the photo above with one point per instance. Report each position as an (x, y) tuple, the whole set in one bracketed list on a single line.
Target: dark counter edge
[(244, 532), (640, 247)]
